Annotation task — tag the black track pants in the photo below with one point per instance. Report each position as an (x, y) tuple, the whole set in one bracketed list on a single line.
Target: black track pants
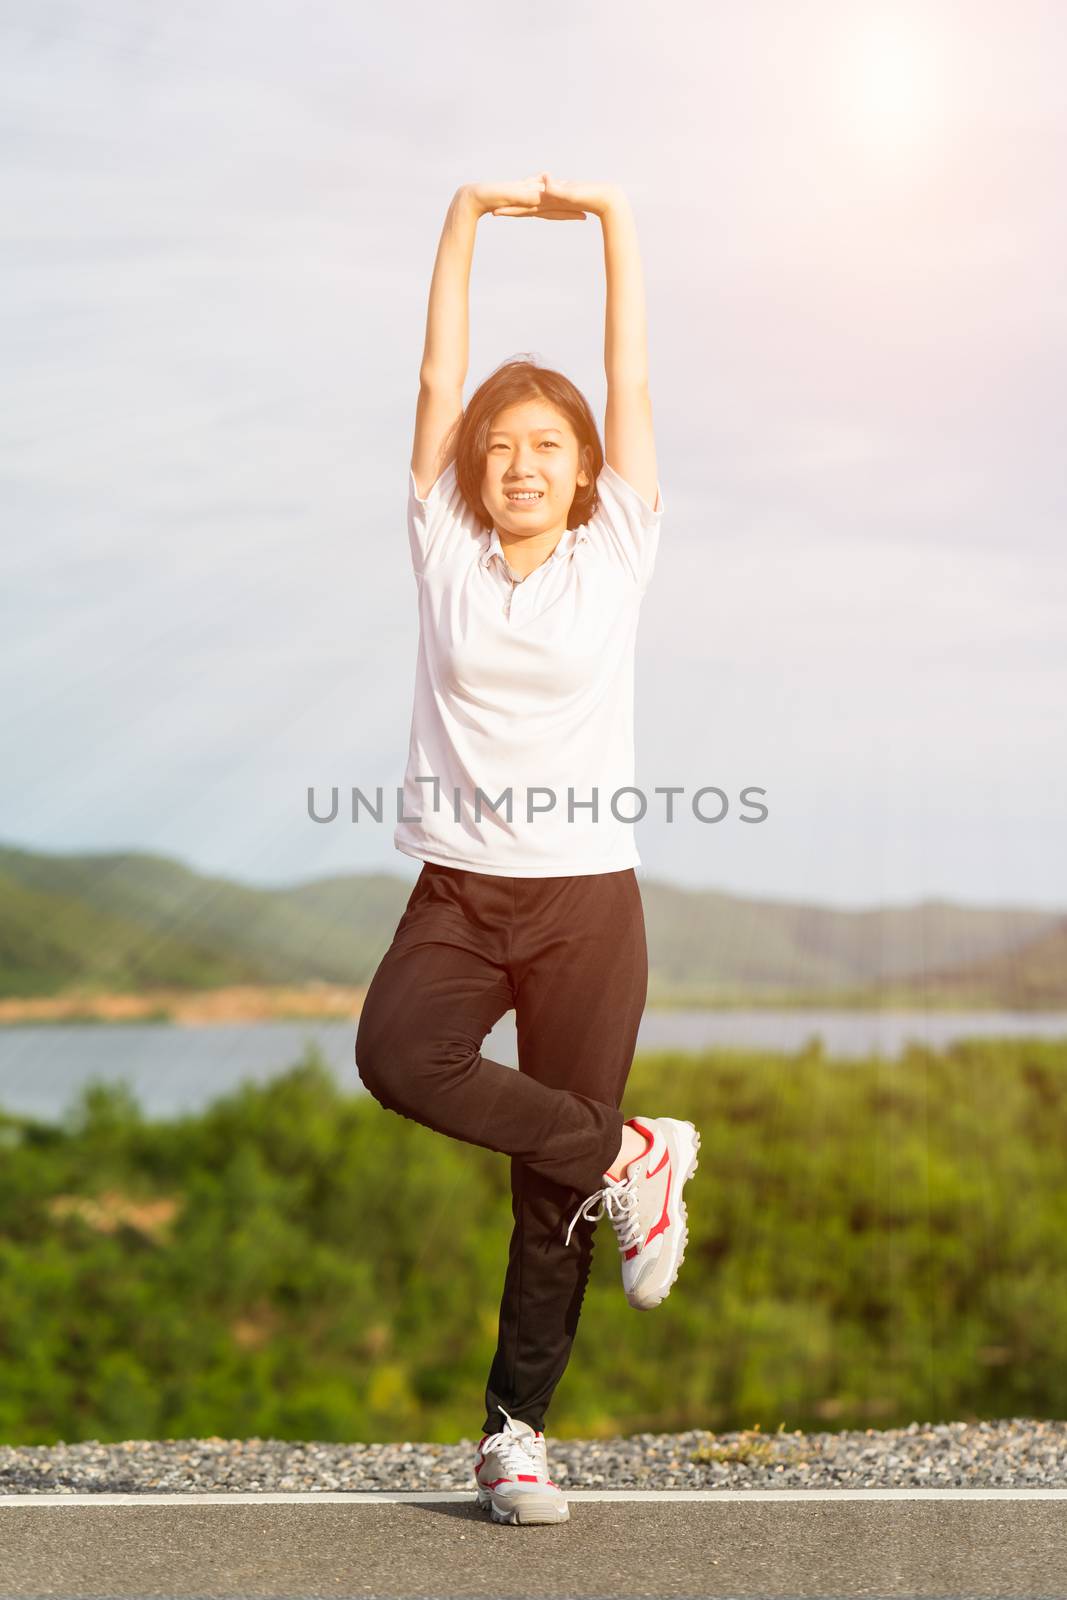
[(568, 954)]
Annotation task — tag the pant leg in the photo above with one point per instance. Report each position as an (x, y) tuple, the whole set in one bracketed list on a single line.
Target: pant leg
[(580, 966), (442, 984)]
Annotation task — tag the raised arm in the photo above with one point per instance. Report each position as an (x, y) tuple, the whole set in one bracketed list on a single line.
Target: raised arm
[(629, 438), (446, 350)]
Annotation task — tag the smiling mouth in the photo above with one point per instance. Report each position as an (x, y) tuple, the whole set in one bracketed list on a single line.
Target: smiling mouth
[(524, 496)]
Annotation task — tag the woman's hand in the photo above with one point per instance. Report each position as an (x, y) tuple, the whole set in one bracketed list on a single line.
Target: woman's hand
[(522, 197), (562, 200)]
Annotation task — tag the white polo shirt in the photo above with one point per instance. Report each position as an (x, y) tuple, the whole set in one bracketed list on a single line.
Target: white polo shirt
[(524, 689)]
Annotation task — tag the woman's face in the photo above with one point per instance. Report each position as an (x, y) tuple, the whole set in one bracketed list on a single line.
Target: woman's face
[(532, 447)]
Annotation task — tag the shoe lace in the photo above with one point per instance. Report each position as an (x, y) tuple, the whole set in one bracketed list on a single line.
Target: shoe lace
[(518, 1451), (619, 1200)]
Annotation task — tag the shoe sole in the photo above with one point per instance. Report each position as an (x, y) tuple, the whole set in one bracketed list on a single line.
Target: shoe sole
[(687, 1143), (525, 1508)]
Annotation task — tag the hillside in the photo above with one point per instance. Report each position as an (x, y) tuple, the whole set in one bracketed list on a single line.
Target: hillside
[(130, 922), (1031, 977)]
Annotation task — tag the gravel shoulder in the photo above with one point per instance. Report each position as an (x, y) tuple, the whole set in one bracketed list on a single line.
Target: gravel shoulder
[(1017, 1453)]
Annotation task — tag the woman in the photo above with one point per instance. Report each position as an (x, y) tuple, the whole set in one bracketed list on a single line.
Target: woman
[(531, 553)]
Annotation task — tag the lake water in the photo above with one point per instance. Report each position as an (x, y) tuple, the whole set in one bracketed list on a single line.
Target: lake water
[(174, 1069)]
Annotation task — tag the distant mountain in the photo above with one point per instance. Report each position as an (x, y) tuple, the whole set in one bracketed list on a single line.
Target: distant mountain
[(1031, 977), (704, 939), (132, 920)]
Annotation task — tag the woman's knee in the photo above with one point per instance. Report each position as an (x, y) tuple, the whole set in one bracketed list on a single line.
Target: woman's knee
[(390, 1055), (376, 1057), (405, 1065)]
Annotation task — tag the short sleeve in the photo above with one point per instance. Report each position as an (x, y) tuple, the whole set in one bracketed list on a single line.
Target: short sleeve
[(441, 524), (625, 526)]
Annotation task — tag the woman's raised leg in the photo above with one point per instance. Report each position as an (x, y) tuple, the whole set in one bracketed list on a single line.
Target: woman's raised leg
[(442, 984)]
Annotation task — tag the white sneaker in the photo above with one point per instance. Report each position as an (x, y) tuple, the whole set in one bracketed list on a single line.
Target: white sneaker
[(511, 1471), (647, 1210)]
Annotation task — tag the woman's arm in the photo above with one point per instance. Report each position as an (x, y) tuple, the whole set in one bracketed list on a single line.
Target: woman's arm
[(629, 434), (625, 332), (446, 349), (629, 438)]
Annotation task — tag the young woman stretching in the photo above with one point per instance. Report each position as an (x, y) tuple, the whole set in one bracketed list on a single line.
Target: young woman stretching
[(531, 553)]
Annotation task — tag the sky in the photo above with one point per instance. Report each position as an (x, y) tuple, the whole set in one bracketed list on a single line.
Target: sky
[(219, 223)]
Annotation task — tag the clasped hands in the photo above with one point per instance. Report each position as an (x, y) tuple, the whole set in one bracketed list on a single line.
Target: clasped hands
[(544, 196)]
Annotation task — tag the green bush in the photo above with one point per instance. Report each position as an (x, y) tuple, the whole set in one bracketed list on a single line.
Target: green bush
[(870, 1242)]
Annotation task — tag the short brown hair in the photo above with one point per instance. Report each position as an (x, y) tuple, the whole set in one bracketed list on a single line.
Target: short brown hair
[(515, 380)]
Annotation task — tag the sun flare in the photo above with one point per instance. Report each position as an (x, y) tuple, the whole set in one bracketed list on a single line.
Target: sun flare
[(892, 87)]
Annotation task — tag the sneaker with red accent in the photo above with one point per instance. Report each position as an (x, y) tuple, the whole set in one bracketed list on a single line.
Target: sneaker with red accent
[(511, 1472), (647, 1210)]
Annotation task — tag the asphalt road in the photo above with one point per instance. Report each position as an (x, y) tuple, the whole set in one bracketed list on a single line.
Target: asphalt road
[(830, 1544)]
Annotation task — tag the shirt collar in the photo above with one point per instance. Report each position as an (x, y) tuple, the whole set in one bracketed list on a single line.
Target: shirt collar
[(570, 538)]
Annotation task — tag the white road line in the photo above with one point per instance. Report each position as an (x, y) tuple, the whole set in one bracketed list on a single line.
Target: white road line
[(193, 1497)]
